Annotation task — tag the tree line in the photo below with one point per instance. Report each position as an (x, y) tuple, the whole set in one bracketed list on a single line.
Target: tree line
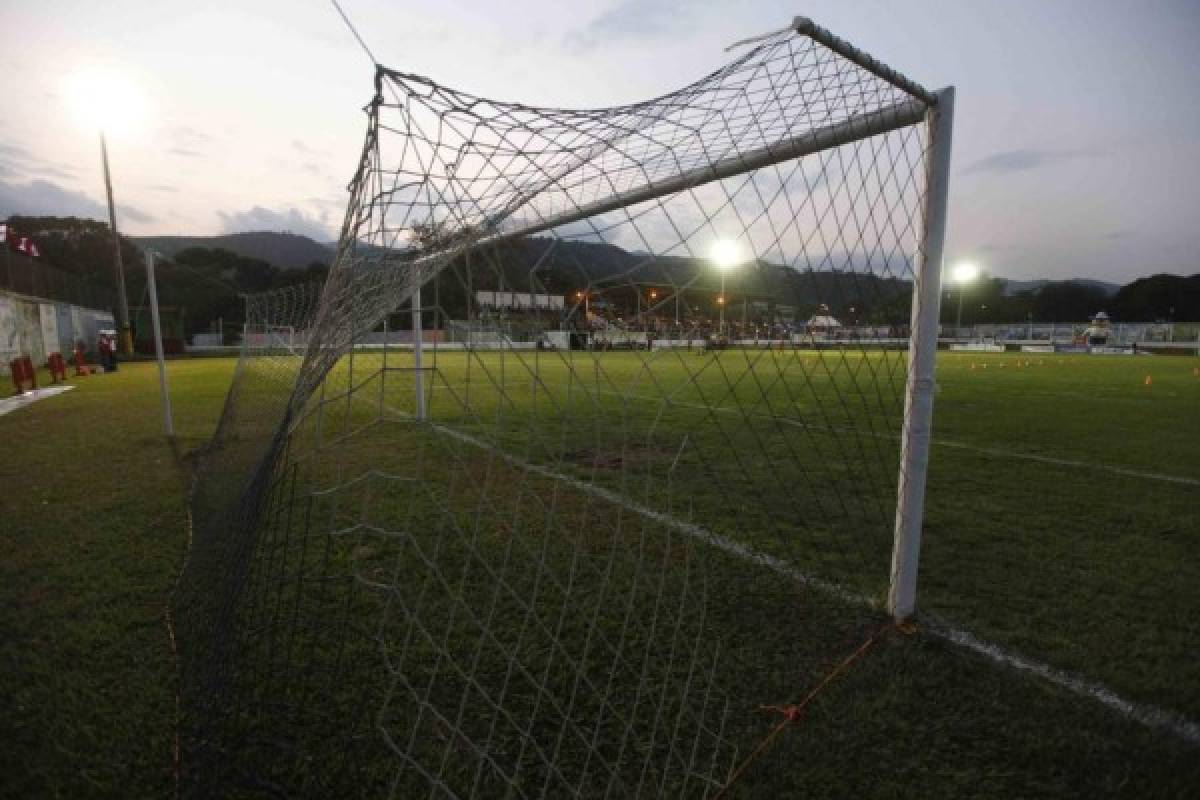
[(1157, 298), (203, 285)]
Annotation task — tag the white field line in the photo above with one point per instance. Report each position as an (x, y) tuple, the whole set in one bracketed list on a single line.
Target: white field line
[(11, 404), (723, 543), (1066, 462), (1151, 716), (990, 451)]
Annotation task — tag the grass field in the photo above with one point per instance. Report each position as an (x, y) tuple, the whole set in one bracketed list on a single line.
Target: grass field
[(1062, 525)]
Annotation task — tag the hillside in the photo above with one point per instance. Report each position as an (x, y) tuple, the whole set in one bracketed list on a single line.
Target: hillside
[(284, 250), (1012, 287)]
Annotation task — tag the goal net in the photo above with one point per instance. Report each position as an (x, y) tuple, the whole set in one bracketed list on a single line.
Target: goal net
[(652, 488)]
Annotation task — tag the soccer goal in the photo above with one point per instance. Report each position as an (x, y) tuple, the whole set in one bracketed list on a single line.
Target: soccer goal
[(562, 562)]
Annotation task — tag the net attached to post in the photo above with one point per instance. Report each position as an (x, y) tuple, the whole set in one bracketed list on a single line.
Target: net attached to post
[(642, 482)]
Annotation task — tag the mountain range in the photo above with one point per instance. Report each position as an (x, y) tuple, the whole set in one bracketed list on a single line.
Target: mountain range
[(1012, 287), (283, 250), (294, 251)]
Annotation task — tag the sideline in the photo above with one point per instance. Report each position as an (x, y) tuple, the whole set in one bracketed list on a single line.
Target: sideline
[(11, 404)]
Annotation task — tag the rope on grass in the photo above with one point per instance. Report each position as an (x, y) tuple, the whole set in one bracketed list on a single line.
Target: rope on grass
[(794, 713)]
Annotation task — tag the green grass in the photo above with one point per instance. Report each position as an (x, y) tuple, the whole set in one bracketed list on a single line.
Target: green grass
[(1087, 569)]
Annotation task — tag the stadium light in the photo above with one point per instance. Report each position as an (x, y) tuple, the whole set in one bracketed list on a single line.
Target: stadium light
[(962, 274), (726, 254), (111, 104), (105, 100)]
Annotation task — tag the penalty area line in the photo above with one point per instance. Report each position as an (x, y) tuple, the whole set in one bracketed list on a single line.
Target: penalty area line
[(1147, 715)]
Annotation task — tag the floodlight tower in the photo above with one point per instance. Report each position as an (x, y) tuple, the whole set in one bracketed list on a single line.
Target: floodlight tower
[(106, 102), (962, 274), (725, 254), (126, 332)]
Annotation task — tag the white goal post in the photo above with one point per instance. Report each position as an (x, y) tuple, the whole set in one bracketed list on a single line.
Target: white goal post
[(936, 111), (512, 559)]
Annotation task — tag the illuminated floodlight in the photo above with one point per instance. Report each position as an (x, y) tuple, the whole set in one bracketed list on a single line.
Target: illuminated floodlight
[(105, 100), (726, 254), (964, 273)]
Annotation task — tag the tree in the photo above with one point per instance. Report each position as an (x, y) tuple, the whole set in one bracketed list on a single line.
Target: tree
[(1159, 298), (1067, 301)]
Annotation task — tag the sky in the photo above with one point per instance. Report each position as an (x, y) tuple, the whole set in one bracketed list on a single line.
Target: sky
[(1077, 124)]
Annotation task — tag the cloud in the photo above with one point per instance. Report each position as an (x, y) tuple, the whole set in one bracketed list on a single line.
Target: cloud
[(185, 152), (45, 198), (1009, 161), (637, 20), (291, 220), (13, 151), (187, 136), (301, 147), (16, 160)]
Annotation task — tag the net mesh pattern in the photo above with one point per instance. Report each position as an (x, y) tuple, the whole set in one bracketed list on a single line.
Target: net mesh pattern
[(638, 477)]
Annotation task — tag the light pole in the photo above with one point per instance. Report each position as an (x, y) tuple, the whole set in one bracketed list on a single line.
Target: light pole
[(962, 274), (108, 103), (126, 335), (721, 306), (726, 254)]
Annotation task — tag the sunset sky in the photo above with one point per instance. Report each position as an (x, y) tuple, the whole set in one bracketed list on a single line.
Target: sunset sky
[(1077, 131)]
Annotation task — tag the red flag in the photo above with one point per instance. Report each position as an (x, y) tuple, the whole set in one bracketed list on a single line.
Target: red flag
[(28, 247)]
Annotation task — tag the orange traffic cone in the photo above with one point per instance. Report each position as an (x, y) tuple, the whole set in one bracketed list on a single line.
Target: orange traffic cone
[(1148, 382)]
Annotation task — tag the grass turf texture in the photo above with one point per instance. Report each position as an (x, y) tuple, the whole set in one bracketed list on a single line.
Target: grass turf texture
[(1087, 569)]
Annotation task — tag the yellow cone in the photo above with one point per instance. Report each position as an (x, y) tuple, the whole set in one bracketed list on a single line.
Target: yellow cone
[(1149, 381)]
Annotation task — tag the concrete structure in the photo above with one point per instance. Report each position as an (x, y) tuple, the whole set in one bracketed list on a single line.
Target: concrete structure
[(35, 327)]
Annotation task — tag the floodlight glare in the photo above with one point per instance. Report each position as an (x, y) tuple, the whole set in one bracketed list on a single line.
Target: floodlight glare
[(964, 273), (726, 253), (105, 100)]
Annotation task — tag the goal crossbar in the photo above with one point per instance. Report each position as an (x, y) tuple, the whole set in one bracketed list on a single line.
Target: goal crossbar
[(806, 27), (900, 115)]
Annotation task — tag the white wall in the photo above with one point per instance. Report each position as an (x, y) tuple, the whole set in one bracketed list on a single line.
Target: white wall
[(34, 328)]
